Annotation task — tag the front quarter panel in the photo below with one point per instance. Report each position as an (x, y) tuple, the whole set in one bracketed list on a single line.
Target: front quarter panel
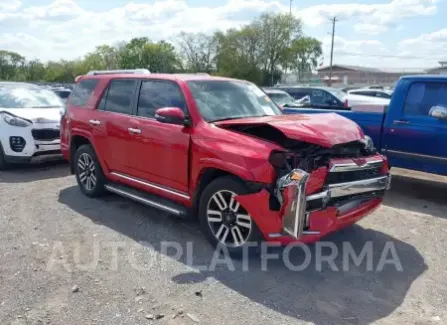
[(238, 154)]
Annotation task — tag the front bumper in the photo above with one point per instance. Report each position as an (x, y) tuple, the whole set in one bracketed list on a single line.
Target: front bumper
[(344, 196), (306, 217), (34, 146)]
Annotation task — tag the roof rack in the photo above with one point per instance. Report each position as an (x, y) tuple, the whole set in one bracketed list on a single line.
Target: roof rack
[(134, 71)]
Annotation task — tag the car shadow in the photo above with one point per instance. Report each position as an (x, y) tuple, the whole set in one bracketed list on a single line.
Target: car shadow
[(418, 195), (35, 172), (349, 294)]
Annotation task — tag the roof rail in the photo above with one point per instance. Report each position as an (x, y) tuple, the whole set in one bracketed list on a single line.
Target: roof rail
[(134, 71)]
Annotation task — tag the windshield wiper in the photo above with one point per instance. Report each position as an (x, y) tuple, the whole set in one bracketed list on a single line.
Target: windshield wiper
[(227, 119)]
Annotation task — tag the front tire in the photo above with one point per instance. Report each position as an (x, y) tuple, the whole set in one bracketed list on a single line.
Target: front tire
[(88, 171), (225, 222)]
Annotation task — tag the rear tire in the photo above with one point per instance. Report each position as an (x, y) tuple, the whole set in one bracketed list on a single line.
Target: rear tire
[(88, 171), (225, 222)]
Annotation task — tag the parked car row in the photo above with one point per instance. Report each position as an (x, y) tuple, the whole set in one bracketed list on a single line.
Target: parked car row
[(221, 149), (332, 98)]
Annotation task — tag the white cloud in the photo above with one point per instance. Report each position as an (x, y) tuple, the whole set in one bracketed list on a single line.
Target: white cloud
[(9, 5), (63, 29), (431, 46), (375, 18)]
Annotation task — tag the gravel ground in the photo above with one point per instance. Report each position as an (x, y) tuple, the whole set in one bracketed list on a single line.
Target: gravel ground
[(66, 259)]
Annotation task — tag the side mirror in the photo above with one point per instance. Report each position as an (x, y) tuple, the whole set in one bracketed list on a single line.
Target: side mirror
[(170, 115), (439, 112)]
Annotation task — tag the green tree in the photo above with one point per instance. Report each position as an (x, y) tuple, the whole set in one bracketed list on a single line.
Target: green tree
[(304, 54), (239, 54), (10, 64), (197, 52), (277, 31)]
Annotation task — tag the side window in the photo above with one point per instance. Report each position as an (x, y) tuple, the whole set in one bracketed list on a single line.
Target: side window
[(119, 95), (318, 97), (82, 92), (422, 96), (155, 94)]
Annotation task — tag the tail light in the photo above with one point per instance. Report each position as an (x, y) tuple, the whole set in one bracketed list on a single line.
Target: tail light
[(346, 103)]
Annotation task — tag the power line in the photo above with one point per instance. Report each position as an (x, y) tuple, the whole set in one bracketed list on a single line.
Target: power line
[(334, 20), (385, 55)]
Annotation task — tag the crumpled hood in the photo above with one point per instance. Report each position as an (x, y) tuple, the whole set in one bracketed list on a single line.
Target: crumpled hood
[(38, 115), (324, 129)]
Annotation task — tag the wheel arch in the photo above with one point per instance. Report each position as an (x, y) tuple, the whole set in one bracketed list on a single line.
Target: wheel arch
[(76, 141), (209, 174)]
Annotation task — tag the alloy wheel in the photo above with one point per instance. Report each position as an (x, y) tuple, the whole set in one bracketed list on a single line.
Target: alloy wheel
[(87, 171), (228, 220)]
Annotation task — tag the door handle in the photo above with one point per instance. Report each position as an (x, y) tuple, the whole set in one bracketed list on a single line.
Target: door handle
[(94, 122), (401, 122), (134, 131)]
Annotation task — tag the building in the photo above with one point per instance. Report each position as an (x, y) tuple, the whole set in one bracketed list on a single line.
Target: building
[(442, 69), (358, 75)]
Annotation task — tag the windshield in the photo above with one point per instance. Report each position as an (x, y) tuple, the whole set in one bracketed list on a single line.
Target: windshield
[(230, 99), (25, 96), (281, 98), (337, 93)]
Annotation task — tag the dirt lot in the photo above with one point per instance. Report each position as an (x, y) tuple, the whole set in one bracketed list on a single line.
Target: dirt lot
[(50, 233)]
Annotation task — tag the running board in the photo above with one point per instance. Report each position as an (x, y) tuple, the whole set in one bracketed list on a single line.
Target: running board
[(148, 199)]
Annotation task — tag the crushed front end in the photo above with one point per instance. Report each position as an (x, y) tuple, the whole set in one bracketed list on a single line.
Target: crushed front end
[(318, 191)]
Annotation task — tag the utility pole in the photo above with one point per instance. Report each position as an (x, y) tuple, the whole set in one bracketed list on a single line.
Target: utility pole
[(290, 10), (334, 20)]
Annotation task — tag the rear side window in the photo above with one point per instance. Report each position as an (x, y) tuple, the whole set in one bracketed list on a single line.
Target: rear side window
[(118, 97), (422, 96), (82, 92), (155, 94)]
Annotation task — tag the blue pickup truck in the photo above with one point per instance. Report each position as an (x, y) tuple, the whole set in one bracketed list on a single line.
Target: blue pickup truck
[(412, 131)]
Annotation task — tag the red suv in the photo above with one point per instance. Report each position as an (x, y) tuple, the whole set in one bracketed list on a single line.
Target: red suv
[(221, 150)]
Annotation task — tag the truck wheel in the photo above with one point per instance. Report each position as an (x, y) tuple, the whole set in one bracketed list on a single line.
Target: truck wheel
[(224, 221), (3, 163), (88, 171)]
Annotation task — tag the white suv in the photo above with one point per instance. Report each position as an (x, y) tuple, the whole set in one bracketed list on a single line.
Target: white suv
[(29, 122)]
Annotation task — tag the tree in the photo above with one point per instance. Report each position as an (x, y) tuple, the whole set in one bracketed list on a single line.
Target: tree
[(239, 54), (197, 52), (277, 31), (304, 55), (10, 63), (34, 70)]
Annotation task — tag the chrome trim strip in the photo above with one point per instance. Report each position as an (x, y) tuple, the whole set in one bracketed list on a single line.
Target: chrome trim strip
[(416, 155), (357, 187), (311, 232), (347, 167), (293, 185), (151, 185), (321, 195), (142, 200), (350, 188), (305, 232)]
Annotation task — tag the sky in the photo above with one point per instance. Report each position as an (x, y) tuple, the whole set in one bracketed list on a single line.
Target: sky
[(389, 34)]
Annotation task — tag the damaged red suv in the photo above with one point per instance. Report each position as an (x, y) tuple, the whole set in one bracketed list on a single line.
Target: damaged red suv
[(220, 150)]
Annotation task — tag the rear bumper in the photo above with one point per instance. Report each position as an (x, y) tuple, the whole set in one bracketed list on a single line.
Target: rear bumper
[(307, 218)]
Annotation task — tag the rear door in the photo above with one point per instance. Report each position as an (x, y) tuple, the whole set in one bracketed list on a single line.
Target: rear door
[(158, 152), (414, 139), (114, 115)]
